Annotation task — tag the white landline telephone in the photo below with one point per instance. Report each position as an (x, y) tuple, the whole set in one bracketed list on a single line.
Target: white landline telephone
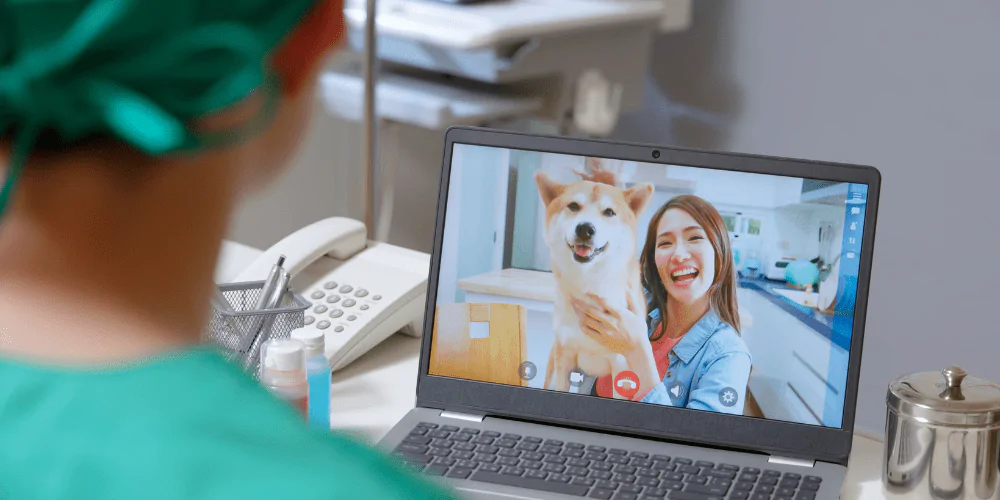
[(361, 292)]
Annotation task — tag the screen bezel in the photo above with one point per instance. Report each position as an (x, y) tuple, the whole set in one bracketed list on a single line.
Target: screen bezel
[(667, 423)]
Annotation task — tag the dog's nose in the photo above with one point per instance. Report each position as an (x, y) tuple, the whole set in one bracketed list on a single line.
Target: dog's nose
[(585, 231)]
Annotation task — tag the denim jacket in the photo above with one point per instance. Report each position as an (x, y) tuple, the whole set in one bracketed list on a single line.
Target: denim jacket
[(709, 369)]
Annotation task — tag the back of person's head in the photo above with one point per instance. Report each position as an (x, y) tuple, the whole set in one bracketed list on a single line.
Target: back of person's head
[(155, 79)]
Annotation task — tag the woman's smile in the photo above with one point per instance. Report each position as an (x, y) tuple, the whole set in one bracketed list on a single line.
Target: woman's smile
[(683, 276)]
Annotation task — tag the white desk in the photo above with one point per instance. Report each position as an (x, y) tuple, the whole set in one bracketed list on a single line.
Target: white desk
[(379, 388)]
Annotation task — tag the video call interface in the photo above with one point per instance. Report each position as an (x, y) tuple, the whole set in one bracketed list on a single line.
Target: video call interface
[(671, 285)]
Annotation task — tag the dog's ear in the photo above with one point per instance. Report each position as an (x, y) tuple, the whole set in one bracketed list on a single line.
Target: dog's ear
[(638, 196), (548, 188)]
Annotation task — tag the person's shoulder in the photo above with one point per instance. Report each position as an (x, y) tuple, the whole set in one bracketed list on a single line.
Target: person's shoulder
[(726, 340)]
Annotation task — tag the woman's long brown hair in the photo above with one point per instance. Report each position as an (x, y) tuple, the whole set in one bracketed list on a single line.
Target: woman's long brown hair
[(722, 293)]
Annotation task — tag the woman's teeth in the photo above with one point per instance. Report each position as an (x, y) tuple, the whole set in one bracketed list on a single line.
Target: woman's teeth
[(686, 273)]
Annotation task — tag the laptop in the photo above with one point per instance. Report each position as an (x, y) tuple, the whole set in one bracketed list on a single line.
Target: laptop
[(609, 320)]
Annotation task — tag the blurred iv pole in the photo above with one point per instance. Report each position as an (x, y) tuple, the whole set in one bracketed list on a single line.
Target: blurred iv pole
[(370, 121)]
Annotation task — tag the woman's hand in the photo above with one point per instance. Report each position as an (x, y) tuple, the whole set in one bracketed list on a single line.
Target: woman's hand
[(620, 331)]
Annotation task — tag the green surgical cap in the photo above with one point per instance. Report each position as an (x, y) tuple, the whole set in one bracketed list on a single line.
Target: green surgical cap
[(138, 70)]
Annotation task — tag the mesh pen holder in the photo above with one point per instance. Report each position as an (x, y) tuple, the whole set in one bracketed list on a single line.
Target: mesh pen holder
[(241, 330)]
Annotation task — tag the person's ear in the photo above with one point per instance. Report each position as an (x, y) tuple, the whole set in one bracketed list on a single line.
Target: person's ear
[(548, 188), (638, 196)]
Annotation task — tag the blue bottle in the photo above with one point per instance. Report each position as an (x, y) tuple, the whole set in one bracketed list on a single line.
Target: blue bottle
[(318, 373)]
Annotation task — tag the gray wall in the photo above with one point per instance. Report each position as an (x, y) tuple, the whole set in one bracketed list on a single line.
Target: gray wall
[(912, 87)]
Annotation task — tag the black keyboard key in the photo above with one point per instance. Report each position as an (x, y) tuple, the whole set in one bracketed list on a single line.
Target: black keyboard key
[(534, 440), (743, 485), (617, 459), (577, 471), (769, 480), (809, 486), (487, 448), (485, 458), (428, 425), (688, 469), (739, 495), (748, 477), (419, 431), (531, 464), (641, 462), (672, 485), (464, 447), (460, 473), (792, 475), (575, 446), (554, 442), (787, 492), (536, 474), (483, 440), (595, 455), (492, 434), (770, 472), (601, 494), (672, 476), (721, 482), (782, 497), (624, 478), (584, 481), (654, 493), (600, 466), (554, 459), (760, 496), (417, 439), (625, 469), (661, 458), (601, 474), (490, 467), (530, 483), (648, 481), (599, 449), (439, 452), (416, 449), (648, 473), (449, 428), (444, 461), (639, 454), (805, 495), (512, 470), (728, 467), (763, 488), (441, 443), (578, 462), (683, 461), (719, 473), (462, 455), (559, 478), (467, 464), (436, 470), (532, 455), (505, 443), (573, 453), (789, 483), (617, 451), (814, 479), (507, 461), (550, 449), (506, 452), (751, 470), (515, 437), (463, 438), (527, 446), (554, 468), (705, 489), (469, 430), (621, 495), (691, 495), (606, 484), (695, 479), (630, 488), (440, 433), (660, 465), (415, 458), (704, 463)]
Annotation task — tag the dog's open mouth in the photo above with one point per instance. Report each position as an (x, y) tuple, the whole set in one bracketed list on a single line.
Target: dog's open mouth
[(585, 253)]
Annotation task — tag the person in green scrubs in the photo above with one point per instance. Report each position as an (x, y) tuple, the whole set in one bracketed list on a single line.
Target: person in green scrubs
[(129, 131)]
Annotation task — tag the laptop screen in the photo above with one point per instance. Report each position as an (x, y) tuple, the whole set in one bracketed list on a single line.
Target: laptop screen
[(680, 286)]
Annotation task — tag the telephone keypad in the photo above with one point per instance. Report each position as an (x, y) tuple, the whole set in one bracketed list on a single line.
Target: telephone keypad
[(320, 309), (318, 294), (349, 303), (361, 293), (333, 299), (309, 320), (336, 313), (323, 325), (330, 285), (346, 289)]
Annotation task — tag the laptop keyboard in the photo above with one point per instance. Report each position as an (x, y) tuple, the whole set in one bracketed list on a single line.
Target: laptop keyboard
[(590, 471)]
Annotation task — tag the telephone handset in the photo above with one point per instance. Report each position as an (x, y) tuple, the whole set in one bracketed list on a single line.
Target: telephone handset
[(361, 292)]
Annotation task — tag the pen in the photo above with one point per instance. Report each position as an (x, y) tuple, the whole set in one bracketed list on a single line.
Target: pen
[(266, 300)]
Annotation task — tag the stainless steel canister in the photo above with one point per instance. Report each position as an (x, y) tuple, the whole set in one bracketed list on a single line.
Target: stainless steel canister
[(942, 437)]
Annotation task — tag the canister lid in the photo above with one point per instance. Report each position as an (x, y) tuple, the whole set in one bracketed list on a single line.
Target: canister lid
[(949, 397)]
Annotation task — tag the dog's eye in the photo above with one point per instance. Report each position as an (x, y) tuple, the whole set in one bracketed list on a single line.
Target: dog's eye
[(573, 207), (608, 212)]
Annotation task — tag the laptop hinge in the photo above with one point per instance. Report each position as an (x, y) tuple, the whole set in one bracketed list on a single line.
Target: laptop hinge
[(462, 416), (795, 462)]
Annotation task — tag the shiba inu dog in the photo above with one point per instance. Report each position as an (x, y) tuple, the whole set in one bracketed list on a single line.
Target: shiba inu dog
[(590, 229)]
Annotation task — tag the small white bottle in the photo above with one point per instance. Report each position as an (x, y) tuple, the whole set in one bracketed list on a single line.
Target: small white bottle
[(318, 370), (283, 371)]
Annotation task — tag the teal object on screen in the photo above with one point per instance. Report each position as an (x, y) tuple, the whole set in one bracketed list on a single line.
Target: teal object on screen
[(801, 273)]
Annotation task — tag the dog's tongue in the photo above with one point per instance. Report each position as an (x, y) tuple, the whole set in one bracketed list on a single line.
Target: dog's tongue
[(582, 250)]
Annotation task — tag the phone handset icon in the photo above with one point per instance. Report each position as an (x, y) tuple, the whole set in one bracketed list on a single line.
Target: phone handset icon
[(626, 384)]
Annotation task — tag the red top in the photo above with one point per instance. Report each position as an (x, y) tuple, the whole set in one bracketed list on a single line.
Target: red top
[(661, 353), (306, 45)]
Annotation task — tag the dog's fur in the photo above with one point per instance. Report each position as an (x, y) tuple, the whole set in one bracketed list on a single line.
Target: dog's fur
[(610, 269)]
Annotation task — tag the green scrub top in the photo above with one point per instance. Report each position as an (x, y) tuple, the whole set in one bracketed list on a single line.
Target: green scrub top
[(187, 424)]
